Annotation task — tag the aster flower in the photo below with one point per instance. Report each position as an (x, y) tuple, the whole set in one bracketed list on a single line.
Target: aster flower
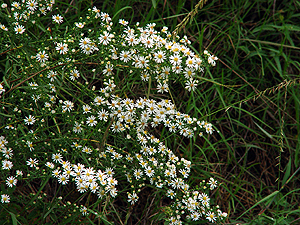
[(149, 171), (68, 106), (79, 25), (3, 27), (32, 5), (62, 48), (74, 74), (105, 38), (30, 120), (213, 183), (105, 17), (5, 198), (32, 162), (57, 18), (19, 173), (97, 11), (11, 181), (49, 165), (195, 216), (86, 109), (159, 57), (77, 128), (63, 179), (211, 217), (76, 145), (57, 157), (56, 173), (125, 56), (52, 75), (6, 164), (7, 152), (175, 59), (91, 121), (171, 193), (84, 210), (191, 85), (87, 150), (1, 89), (132, 198), (15, 5), (19, 29)]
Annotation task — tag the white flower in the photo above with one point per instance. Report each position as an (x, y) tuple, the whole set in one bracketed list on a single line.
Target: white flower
[(195, 216), (57, 18), (74, 74), (32, 5), (213, 183), (56, 173), (211, 217), (19, 29), (91, 121), (42, 56), (132, 198), (52, 75), (175, 59), (76, 145), (11, 181), (68, 105), (149, 171), (87, 150), (189, 73), (105, 17), (5, 198), (105, 38), (86, 109), (159, 57), (50, 165), (80, 25), (57, 157), (63, 179), (97, 11), (142, 62), (19, 173), (1, 89), (84, 42), (62, 48), (3, 27), (190, 62), (138, 174), (77, 128), (161, 88), (29, 120), (171, 193), (125, 56), (32, 162), (15, 4), (6, 164), (191, 85), (123, 22)]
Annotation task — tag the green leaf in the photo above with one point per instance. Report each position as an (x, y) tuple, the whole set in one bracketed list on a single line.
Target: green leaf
[(13, 218), (287, 172), (264, 131), (154, 4)]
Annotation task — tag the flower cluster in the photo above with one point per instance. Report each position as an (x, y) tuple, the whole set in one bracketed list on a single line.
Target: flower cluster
[(26, 11), (73, 120), (151, 53), (99, 182)]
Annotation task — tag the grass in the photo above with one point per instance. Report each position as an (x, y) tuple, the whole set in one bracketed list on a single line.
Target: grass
[(251, 96)]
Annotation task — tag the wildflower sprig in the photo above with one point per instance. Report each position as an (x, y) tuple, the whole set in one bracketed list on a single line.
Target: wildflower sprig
[(70, 116)]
